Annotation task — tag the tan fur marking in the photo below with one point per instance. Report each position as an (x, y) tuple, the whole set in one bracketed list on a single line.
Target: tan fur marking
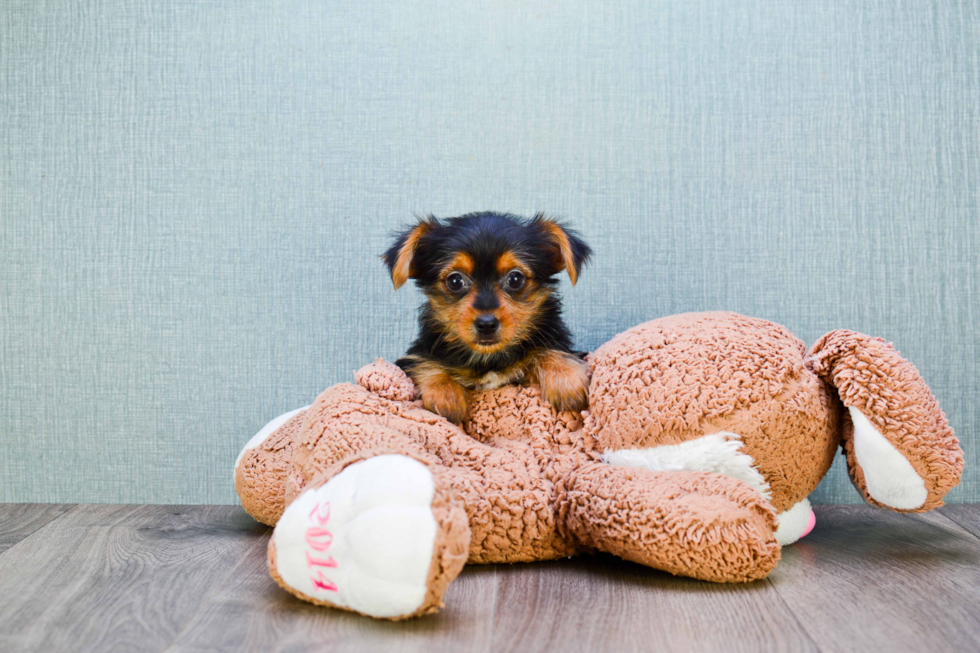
[(563, 380), (456, 317), (564, 248), (440, 392), (402, 271), (462, 262), (508, 261), (516, 317)]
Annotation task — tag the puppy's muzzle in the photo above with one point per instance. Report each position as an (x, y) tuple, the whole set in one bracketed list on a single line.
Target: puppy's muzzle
[(486, 326)]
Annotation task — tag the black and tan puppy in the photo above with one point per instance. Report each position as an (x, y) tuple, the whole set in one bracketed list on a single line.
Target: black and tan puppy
[(492, 316)]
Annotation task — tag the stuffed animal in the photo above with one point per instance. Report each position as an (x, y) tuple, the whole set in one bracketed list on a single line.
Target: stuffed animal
[(704, 435)]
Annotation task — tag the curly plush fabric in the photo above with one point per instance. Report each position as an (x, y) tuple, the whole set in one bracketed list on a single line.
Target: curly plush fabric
[(260, 476), (872, 376), (378, 378), (697, 524), (681, 377), (508, 494), (722, 421)]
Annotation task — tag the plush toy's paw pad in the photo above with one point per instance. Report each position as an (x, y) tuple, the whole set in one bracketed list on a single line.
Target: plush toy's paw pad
[(889, 477), (795, 523), (386, 380), (367, 540), (903, 453)]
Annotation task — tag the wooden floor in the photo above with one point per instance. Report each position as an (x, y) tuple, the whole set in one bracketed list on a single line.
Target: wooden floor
[(189, 578)]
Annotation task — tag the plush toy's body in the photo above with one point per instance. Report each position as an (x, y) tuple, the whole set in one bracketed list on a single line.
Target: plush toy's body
[(701, 430)]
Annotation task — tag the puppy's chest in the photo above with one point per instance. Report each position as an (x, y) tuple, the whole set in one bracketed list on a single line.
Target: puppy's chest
[(490, 380)]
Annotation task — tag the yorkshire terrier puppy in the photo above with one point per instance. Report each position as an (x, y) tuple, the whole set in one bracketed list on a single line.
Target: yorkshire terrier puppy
[(492, 315)]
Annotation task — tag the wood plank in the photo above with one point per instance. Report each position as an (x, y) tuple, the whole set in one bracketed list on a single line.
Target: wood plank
[(967, 517), (596, 603), (250, 612), (875, 580), (941, 521), (117, 578), (150, 578), (18, 520)]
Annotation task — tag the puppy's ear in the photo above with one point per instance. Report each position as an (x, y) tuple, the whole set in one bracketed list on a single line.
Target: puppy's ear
[(568, 251), (399, 256)]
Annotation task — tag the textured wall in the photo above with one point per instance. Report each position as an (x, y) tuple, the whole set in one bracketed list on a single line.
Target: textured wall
[(193, 198)]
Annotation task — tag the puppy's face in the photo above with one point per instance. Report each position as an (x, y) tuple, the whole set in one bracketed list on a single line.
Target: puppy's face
[(486, 276), (486, 299)]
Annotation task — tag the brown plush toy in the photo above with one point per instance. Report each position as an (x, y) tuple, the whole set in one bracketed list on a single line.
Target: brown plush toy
[(704, 435)]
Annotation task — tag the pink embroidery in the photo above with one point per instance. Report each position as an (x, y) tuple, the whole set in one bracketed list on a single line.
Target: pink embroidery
[(320, 539), (324, 584), (316, 513), (311, 561)]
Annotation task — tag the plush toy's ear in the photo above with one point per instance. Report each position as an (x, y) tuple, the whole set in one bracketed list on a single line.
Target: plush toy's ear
[(399, 256), (570, 252)]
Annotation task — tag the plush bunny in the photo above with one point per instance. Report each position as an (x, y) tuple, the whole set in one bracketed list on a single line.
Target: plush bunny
[(704, 435)]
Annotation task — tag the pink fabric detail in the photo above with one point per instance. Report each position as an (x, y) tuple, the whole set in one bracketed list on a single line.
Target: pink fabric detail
[(323, 583), (318, 538), (317, 514), (311, 561), (809, 524)]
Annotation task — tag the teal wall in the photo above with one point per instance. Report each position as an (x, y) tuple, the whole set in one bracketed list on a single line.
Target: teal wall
[(193, 197)]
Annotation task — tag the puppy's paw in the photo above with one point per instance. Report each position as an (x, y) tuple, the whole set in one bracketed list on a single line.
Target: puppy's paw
[(442, 395), (564, 381)]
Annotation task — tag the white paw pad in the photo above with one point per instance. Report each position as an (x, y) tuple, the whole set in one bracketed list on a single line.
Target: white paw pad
[(888, 475), (795, 523), (364, 540)]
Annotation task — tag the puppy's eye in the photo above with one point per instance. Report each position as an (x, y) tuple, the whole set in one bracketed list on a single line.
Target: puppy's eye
[(455, 282), (515, 280)]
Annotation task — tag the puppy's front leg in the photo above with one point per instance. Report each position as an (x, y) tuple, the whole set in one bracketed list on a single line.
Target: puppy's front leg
[(563, 380), (440, 392)]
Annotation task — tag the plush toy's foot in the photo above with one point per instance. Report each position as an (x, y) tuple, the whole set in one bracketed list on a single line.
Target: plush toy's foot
[(901, 452), (381, 535), (795, 523), (889, 477)]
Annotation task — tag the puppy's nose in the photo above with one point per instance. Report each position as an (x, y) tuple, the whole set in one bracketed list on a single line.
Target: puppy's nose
[(486, 325)]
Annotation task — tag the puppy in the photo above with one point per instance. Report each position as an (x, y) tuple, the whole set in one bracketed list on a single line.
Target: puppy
[(492, 315)]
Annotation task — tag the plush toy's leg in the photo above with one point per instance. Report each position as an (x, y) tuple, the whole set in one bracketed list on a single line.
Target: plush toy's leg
[(901, 452), (720, 453), (697, 524), (506, 490), (795, 523), (381, 534), (260, 471)]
